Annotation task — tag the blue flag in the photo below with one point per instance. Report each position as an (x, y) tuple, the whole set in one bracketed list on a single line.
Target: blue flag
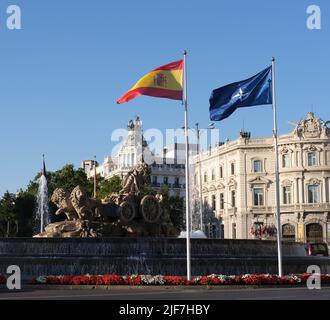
[(247, 93)]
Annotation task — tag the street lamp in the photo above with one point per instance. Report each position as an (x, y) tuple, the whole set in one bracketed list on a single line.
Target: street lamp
[(211, 126), (95, 182)]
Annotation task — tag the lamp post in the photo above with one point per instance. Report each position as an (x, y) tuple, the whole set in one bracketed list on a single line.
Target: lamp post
[(198, 132), (95, 182)]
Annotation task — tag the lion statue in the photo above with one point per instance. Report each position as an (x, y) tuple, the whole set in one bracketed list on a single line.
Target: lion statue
[(86, 208), (77, 205), (61, 199), (136, 179)]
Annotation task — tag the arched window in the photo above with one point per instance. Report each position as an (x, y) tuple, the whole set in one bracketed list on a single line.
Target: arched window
[(288, 232), (214, 203), (222, 201), (213, 174), (313, 193), (233, 198), (221, 172), (314, 232), (232, 168)]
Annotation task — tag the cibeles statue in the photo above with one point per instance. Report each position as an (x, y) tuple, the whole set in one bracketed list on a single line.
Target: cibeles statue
[(131, 212), (136, 179)]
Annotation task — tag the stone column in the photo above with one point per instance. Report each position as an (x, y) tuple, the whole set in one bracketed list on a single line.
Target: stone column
[(299, 180), (296, 191), (324, 186), (302, 191)]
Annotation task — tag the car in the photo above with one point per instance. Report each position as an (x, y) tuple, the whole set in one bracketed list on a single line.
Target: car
[(317, 249)]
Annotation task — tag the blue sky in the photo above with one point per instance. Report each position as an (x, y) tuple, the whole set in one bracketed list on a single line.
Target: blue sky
[(63, 72)]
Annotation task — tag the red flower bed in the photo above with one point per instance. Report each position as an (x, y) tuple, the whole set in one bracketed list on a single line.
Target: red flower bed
[(175, 280), (142, 280)]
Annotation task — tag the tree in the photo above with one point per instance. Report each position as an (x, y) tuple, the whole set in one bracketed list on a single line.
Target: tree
[(25, 208), (8, 215), (175, 206), (106, 187), (66, 178)]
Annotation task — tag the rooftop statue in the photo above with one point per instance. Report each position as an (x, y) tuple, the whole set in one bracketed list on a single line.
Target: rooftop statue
[(311, 127)]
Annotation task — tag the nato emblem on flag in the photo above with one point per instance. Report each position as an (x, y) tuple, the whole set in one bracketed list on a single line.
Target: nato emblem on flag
[(254, 91)]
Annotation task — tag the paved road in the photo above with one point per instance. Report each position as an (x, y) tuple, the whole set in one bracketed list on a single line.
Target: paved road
[(127, 293)]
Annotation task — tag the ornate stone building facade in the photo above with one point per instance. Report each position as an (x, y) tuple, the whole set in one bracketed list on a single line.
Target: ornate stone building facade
[(167, 168), (238, 186)]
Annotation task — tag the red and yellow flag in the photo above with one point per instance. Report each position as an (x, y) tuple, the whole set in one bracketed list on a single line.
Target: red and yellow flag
[(163, 82)]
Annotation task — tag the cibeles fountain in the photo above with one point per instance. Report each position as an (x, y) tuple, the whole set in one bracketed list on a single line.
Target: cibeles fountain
[(132, 233), (130, 213)]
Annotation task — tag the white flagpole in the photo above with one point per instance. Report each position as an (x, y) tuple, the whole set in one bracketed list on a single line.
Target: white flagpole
[(185, 101), (277, 177), (42, 209)]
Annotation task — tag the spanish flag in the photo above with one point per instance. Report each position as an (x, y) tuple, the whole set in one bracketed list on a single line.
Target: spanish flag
[(163, 82)]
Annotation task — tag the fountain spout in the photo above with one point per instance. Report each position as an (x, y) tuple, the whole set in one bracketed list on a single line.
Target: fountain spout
[(43, 199)]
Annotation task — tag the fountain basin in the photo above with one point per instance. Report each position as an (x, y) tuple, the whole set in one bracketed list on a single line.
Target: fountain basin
[(167, 256)]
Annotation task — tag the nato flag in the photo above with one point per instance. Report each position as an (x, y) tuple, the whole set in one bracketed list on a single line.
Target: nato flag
[(247, 93)]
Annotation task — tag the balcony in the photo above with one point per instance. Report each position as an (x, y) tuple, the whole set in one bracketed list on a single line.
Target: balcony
[(261, 209), (291, 208), (169, 185), (312, 206), (232, 211), (176, 185), (168, 167), (155, 185)]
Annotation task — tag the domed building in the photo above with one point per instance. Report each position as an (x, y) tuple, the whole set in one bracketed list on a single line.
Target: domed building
[(168, 168)]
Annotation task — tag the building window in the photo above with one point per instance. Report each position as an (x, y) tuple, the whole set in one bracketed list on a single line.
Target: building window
[(311, 158), (222, 202), (205, 201), (233, 198), (287, 195), (258, 196), (205, 176), (286, 160), (288, 232), (154, 180), (213, 174), (166, 180), (221, 172), (314, 232), (234, 231), (257, 166), (313, 194), (214, 206), (176, 181), (232, 166)]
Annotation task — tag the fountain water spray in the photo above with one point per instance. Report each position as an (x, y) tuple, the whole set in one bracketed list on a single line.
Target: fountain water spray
[(42, 199)]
